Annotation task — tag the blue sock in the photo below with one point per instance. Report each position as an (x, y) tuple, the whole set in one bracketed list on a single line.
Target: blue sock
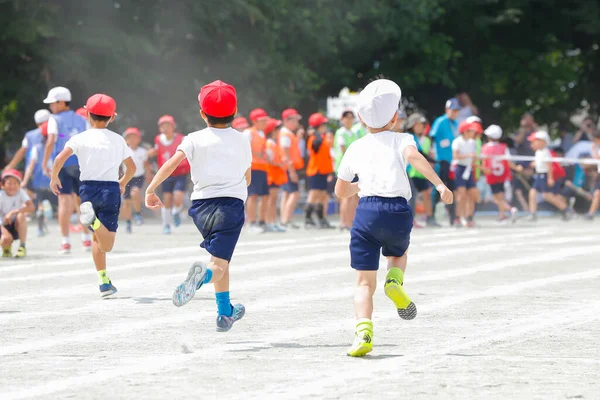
[(224, 304), (208, 276)]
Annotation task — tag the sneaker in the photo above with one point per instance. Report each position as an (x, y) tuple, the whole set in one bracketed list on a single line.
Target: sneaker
[(514, 214), (456, 223), (270, 228), (432, 222), (176, 219), (65, 248), (324, 224), (87, 245), (87, 215), (21, 252), (139, 220), (256, 229), (395, 292), (224, 323), (7, 253), (417, 224), (309, 224), (471, 224), (40, 233), (503, 220), (588, 217), (128, 227), (362, 344), (194, 281), (107, 289), (532, 218), (567, 215), (280, 228), (167, 230)]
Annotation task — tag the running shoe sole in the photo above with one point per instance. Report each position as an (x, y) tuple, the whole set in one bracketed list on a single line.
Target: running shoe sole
[(396, 295), (108, 293), (194, 281)]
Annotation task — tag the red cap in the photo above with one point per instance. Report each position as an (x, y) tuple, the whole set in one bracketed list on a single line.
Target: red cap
[(132, 131), (316, 119), (44, 128), (272, 123), (477, 127), (166, 119), (14, 173), (218, 99), (289, 113), (81, 111), (240, 123), (258, 113), (466, 126), (102, 105)]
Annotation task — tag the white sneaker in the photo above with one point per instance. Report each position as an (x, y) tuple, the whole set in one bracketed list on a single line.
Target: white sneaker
[(87, 216), (256, 229), (514, 214)]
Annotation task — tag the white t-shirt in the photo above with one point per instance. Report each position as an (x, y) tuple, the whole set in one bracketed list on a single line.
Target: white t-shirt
[(542, 158), (52, 126), (219, 159), (11, 203), (464, 147), (139, 156), (100, 153), (378, 160)]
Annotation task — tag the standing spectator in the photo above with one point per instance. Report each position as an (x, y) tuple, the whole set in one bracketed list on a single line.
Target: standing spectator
[(443, 132), (399, 125), (292, 156), (468, 108), (586, 131)]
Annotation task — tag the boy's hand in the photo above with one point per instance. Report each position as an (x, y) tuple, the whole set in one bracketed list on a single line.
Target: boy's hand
[(446, 194), (47, 171), (153, 201), (122, 188), (519, 168), (55, 185), (24, 184)]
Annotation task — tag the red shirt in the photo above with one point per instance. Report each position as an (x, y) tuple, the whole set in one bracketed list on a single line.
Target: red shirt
[(165, 152), (558, 172), (500, 169)]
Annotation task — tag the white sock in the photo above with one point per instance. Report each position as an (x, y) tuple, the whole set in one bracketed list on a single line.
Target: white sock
[(66, 240), (166, 216), (176, 210)]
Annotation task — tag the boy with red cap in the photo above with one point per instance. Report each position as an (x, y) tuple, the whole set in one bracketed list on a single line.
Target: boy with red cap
[(319, 171), (240, 124), (276, 174), (259, 188), (464, 152), (165, 146), (14, 205), (220, 159), (101, 153), (132, 195), (292, 157)]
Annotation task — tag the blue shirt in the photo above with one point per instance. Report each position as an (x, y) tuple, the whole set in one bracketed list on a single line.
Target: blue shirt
[(32, 138), (39, 181), (443, 132), (69, 124)]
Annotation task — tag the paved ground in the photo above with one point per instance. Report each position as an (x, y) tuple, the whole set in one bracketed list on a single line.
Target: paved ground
[(504, 313)]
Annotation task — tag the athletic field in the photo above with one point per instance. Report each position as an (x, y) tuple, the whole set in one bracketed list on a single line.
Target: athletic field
[(503, 313)]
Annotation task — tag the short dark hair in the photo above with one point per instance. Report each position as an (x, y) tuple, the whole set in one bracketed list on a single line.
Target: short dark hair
[(99, 118), (219, 120), (347, 113), (68, 103)]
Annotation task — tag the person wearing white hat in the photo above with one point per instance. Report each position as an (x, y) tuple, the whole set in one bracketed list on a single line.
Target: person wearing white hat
[(63, 124), (383, 218)]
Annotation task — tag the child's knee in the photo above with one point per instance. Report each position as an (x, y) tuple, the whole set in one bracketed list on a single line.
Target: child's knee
[(547, 196), (21, 219)]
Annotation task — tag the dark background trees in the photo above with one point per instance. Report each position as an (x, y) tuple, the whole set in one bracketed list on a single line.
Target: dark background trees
[(153, 55)]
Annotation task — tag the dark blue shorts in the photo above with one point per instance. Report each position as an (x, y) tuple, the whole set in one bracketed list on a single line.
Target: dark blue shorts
[(274, 186), (69, 179), (289, 187), (497, 188), (459, 181), (174, 184), (220, 222), (540, 183), (421, 184), (137, 182), (11, 227), (380, 224), (317, 182), (106, 200), (258, 185)]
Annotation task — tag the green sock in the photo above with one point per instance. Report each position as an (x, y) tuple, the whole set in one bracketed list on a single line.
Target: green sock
[(364, 324), (103, 276), (396, 274), (96, 224)]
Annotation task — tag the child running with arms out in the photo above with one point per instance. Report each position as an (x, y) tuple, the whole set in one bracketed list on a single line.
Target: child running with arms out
[(100, 152), (383, 218), (220, 159)]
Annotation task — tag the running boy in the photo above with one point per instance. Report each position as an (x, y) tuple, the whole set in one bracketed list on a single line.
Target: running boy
[(463, 155), (132, 195), (383, 218), (14, 205), (100, 152), (220, 158)]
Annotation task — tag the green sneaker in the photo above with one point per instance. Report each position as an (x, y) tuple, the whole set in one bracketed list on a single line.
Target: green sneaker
[(395, 292), (363, 338), (6, 253), (21, 252)]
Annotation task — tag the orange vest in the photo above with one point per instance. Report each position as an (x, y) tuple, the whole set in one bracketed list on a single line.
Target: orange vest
[(295, 155), (319, 162), (275, 174), (258, 143)]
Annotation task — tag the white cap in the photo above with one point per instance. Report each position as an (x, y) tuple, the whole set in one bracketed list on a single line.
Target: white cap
[(543, 135), (493, 132), (473, 118), (378, 103), (58, 93), (41, 116)]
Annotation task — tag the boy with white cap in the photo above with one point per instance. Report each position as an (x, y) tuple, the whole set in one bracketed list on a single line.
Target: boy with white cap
[(63, 124), (101, 153), (383, 217), (31, 138)]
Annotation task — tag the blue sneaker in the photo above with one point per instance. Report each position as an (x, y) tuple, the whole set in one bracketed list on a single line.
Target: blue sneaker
[(167, 230), (224, 323), (128, 227), (194, 281), (139, 220), (176, 219), (107, 289)]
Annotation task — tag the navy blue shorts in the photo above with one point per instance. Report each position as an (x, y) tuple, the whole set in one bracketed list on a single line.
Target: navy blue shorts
[(497, 188), (12, 228), (381, 223), (69, 179), (220, 222), (106, 200), (274, 186), (290, 187), (137, 182), (421, 184), (459, 181), (174, 184), (317, 182), (259, 185), (540, 183)]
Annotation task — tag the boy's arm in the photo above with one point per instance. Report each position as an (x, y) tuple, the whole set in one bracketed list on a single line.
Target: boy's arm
[(129, 172), (152, 200), (345, 189), (414, 158), (28, 172), (248, 176), (47, 152), (59, 161)]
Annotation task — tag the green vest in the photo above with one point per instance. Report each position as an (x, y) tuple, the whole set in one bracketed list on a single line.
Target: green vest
[(343, 137), (424, 145), (359, 130)]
